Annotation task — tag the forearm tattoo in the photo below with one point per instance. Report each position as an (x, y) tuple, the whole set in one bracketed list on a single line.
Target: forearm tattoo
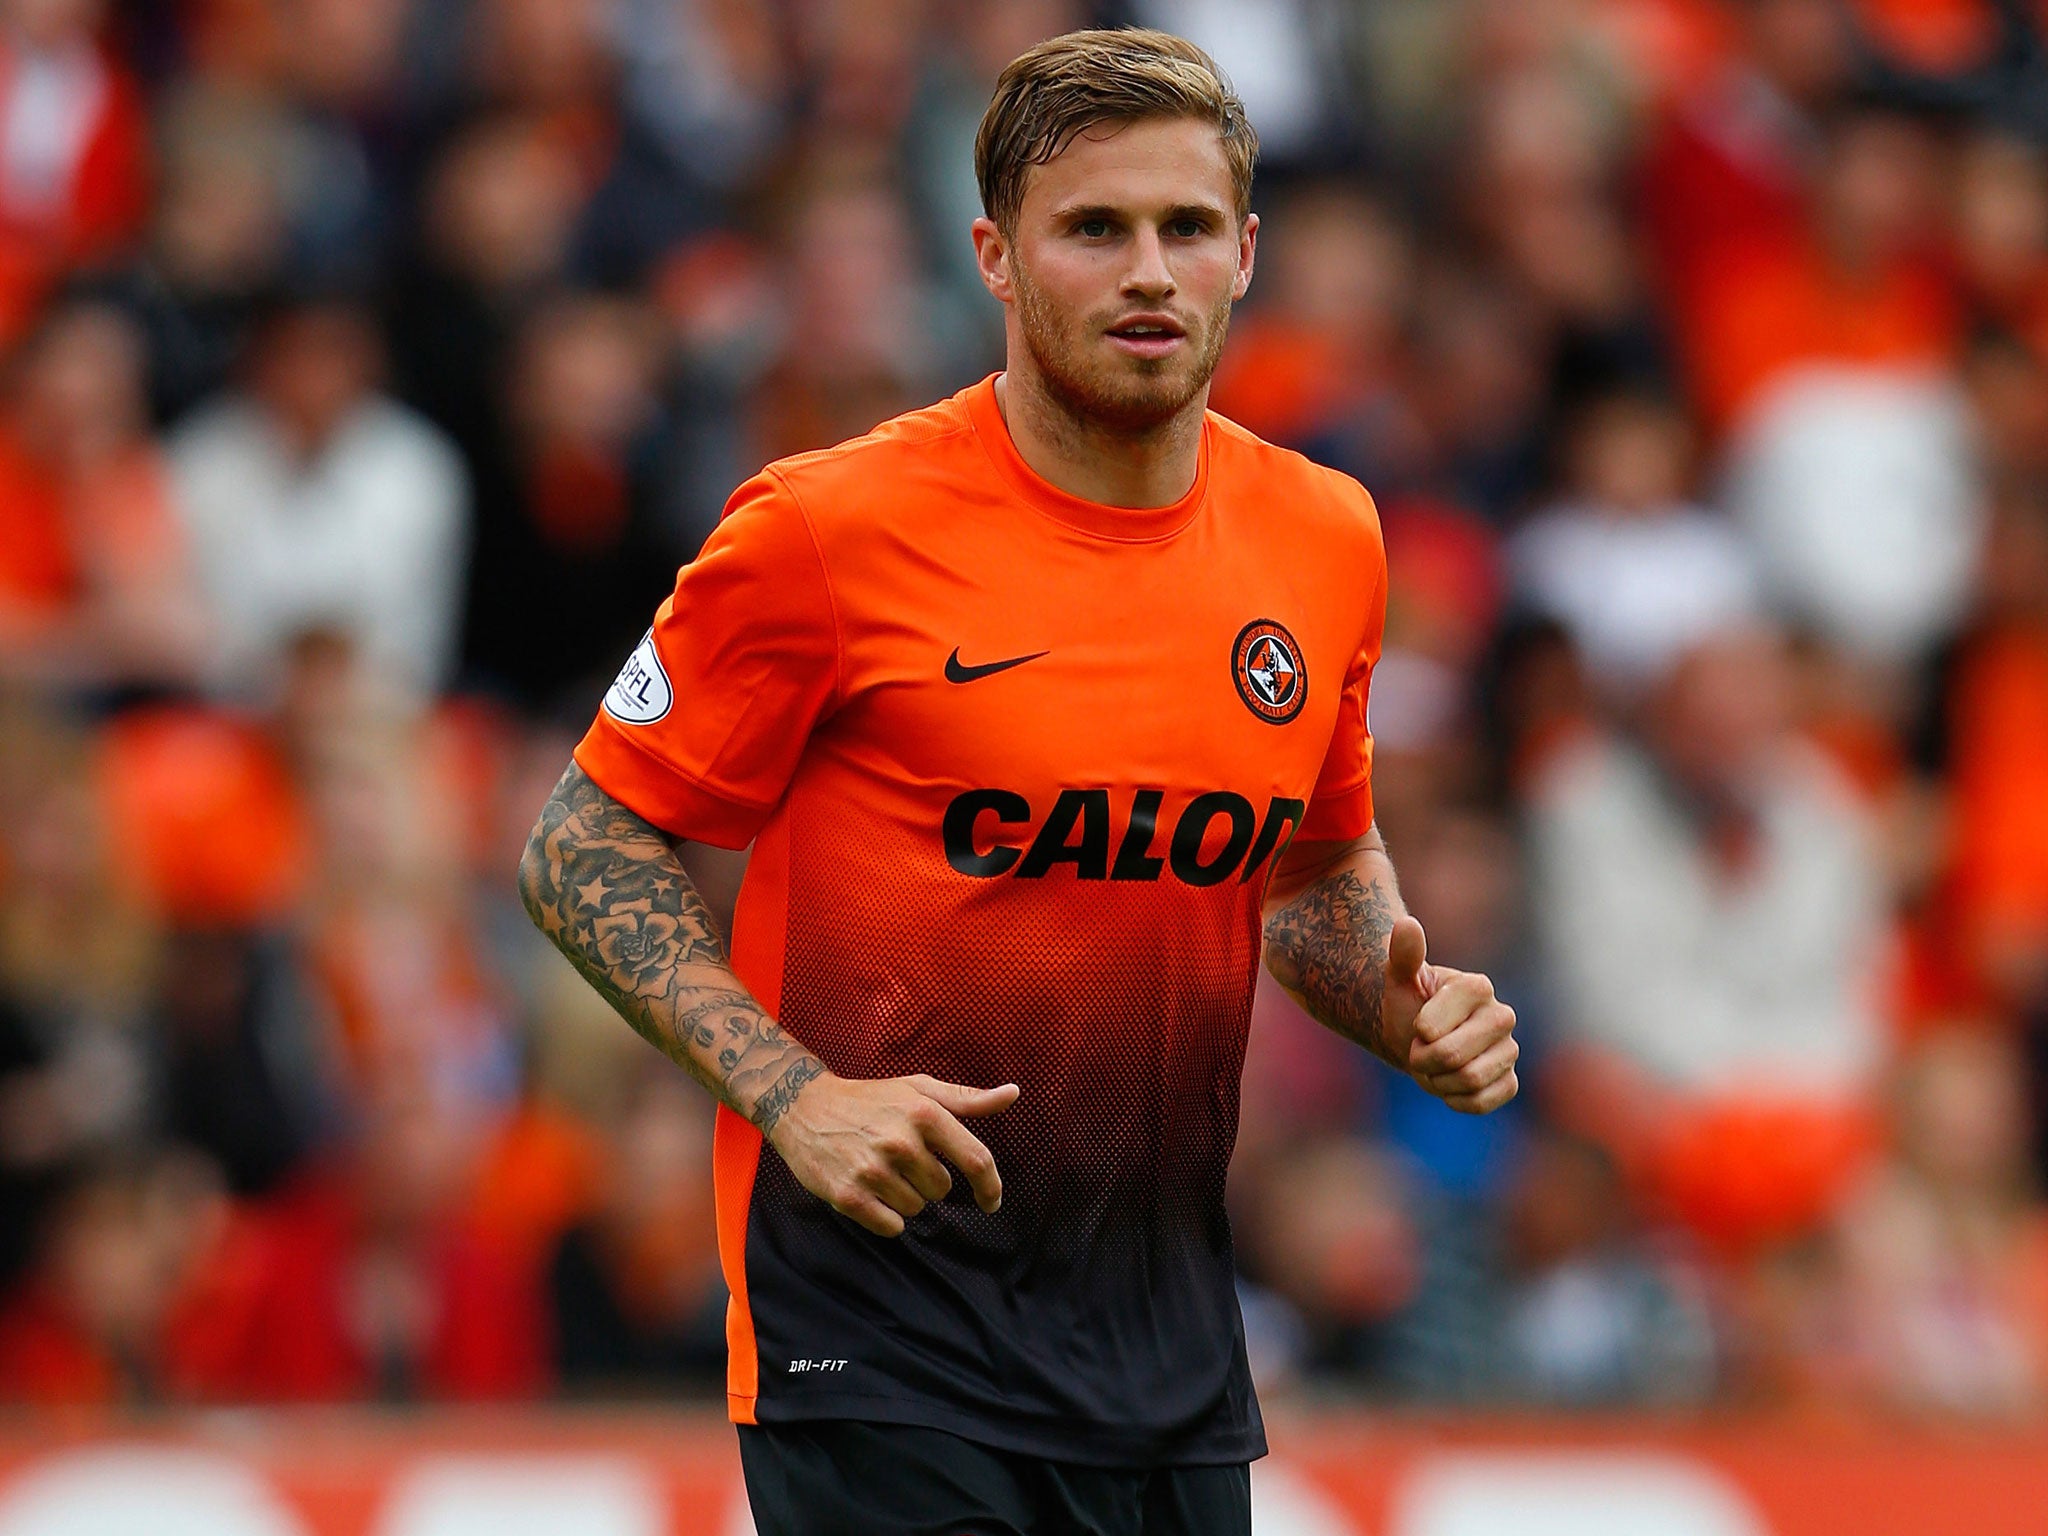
[(1328, 947), (606, 887)]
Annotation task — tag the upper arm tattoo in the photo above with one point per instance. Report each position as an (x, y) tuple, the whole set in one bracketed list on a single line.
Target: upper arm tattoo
[(1328, 946), (606, 887)]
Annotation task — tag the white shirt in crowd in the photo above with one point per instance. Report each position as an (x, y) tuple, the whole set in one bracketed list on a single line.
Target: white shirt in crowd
[(1710, 982), (366, 539), (1860, 492), (1634, 592)]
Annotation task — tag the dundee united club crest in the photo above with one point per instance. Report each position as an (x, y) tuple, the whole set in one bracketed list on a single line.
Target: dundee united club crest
[(1271, 677)]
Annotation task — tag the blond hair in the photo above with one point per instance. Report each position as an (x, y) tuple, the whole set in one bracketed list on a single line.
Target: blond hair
[(1050, 93)]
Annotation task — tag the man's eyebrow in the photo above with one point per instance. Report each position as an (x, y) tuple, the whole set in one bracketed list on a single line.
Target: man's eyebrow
[(1075, 213)]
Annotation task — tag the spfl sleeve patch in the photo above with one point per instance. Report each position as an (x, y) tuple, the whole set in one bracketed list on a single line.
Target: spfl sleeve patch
[(640, 694)]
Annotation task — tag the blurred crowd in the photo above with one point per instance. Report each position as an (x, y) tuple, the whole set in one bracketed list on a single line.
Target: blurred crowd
[(370, 366)]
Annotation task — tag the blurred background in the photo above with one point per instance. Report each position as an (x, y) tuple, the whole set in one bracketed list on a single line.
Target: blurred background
[(370, 365)]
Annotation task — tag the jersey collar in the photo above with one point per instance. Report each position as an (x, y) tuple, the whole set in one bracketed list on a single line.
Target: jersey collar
[(1127, 524)]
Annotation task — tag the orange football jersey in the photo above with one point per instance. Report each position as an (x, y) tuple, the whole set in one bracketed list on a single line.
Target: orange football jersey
[(1016, 768)]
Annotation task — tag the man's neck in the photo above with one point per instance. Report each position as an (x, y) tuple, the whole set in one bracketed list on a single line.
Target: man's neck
[(307, 437), (1154, 468)]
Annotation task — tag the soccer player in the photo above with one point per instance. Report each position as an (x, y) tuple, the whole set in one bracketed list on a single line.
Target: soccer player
[(1044, 710)]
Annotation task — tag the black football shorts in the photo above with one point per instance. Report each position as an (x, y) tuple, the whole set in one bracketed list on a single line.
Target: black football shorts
[(836, 1477)]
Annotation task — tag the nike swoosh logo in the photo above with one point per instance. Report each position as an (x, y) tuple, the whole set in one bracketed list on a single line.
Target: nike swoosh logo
[(956, 673)]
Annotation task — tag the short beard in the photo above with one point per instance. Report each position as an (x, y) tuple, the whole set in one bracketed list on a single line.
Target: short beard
[(1123, 407)]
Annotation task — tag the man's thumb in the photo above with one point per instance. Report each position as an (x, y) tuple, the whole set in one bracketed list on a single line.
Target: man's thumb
[(959, 1099), (1406, 951)]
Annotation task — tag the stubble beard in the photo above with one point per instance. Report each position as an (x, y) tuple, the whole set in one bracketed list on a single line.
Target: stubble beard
[(1129, 398)]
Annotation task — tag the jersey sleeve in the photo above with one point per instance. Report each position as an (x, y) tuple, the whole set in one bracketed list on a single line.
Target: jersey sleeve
[(1341, 806), (702, 729)]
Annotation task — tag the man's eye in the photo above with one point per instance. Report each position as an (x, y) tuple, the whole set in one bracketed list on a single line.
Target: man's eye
[(1093, 229), (1187, 229)]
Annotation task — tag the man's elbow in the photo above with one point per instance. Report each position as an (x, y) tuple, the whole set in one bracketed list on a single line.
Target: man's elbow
[(1281, 950), (1304, 863)]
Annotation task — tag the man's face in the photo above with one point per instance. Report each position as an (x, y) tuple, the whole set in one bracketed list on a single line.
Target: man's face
[(1126, 257), (315, 365)]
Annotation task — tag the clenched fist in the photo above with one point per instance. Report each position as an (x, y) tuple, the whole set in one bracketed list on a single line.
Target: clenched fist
[(872, 1149)]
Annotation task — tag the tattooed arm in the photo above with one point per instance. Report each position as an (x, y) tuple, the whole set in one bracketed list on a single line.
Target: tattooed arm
[(1329, 918), (606, 887), (1341, 943)]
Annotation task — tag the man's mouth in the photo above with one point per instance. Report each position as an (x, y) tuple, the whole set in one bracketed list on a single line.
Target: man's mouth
[(1148, 335)]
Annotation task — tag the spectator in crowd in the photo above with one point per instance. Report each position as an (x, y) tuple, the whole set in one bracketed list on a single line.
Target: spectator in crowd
[(1465, 869), (638, 1301), (217, 241), (96, 587), (340, 64), (498, 215), (78, 953), (1480, 388), (243, 1074), (1591, 1315), (2001, 231), (1860, 492), (1314, 362), (370, 1277), (389, 937), (1289, 57), (208, 818), (118, 1309), (1536, 170), (1706, 897), (584, 510), (2005, 382), (709, 84), (1328, 1224), (1632, 569), (938, 146), (1946, 1261), (1437, 634), (1726, 168), (74, 185), (315, 503), (851, 352), (1993, 735), (858, 64), (1857, 283)]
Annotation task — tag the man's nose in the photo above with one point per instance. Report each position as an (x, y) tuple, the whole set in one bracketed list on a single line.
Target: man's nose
[(1149, 273)]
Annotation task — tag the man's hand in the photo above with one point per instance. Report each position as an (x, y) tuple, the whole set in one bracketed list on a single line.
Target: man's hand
[(607, 887), (1455, 1036), (1338, 940), (871, 1149)]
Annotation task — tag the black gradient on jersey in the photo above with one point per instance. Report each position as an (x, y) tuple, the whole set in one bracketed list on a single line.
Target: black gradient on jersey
[(1093, 1317)]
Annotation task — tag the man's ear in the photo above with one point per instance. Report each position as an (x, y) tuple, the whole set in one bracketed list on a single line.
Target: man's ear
[(1247, 249), (992, 257)]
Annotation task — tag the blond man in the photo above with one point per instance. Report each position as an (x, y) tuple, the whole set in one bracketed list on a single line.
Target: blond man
[(1044, 710)]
